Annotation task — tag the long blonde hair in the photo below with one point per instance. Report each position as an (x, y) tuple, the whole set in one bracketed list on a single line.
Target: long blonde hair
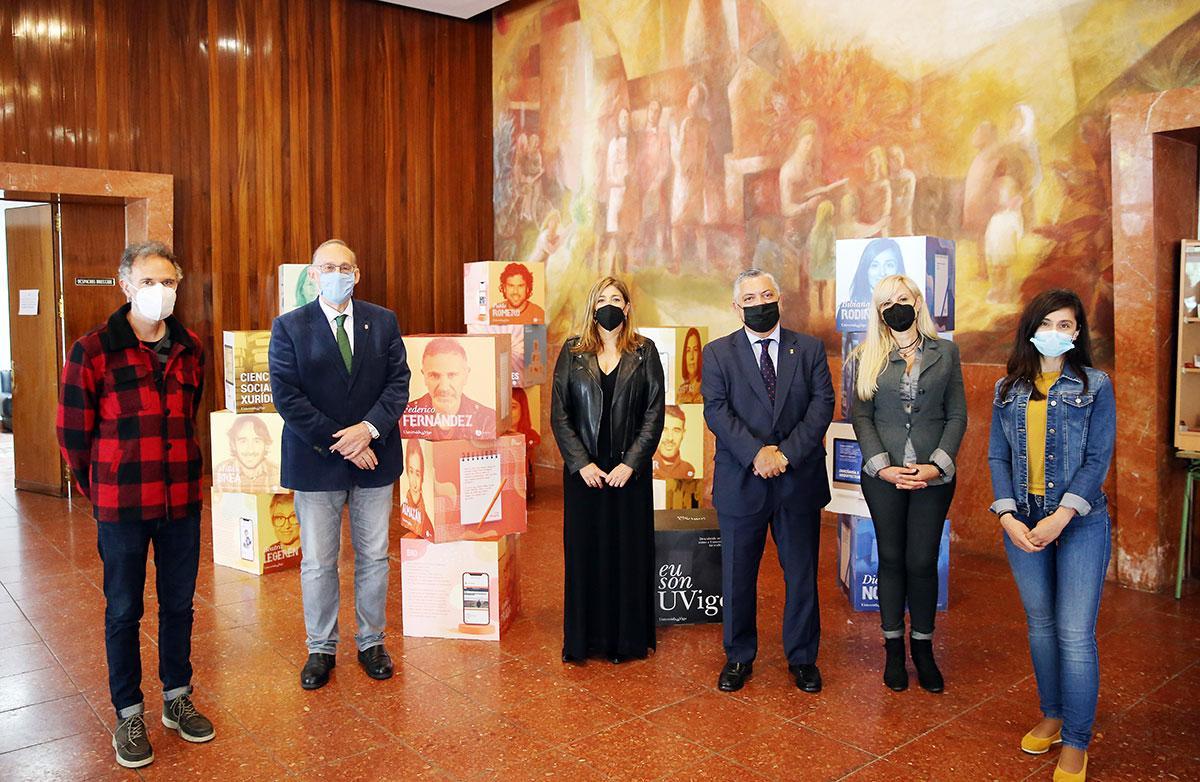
[(589, 331), (872, 354)]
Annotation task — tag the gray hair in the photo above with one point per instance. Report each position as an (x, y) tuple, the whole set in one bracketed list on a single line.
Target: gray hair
[(334, 243), (751, 274), (140, 250)]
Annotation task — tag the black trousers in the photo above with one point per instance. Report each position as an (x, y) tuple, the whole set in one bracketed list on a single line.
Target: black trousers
[(124, 547), (908, 531)]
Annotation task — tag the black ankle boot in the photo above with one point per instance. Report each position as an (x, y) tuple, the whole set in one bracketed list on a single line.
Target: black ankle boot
[(895, 675), (928, 675)]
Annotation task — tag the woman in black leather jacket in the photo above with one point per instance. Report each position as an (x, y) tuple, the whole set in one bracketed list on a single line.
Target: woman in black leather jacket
[(607, 416)]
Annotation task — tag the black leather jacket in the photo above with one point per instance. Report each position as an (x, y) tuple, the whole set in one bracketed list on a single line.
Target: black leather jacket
[(637, 412)]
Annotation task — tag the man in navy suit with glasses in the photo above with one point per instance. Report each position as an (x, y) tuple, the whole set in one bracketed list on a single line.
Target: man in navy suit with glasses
[(339, 376)]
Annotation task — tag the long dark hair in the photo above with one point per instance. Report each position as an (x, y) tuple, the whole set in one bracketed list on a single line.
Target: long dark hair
[(1025, 363), (860, 286)]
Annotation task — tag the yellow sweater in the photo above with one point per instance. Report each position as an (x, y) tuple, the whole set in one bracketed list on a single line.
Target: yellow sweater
[(1035, 435)]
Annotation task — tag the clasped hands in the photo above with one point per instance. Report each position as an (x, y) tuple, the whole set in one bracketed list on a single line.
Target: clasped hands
[(354, 445), (910, 476), (769, 462), (1041, 535), (596, 478)]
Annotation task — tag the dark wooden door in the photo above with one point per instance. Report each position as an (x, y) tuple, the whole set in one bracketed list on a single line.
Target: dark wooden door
[(36, 360), (92, 238)]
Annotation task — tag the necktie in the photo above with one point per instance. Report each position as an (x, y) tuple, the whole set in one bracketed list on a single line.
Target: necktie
[(767, 367), (343, 340)]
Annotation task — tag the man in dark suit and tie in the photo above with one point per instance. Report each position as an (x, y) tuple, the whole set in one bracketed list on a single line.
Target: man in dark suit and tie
[(340, 380), (768, 398)]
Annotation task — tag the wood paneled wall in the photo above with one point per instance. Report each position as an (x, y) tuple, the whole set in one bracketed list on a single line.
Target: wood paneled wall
[(284, 123)]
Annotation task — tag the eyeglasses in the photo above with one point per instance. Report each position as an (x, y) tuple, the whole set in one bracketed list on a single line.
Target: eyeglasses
[(330, 268)]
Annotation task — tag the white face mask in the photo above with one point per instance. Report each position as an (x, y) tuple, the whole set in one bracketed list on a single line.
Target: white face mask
[(154, 302)]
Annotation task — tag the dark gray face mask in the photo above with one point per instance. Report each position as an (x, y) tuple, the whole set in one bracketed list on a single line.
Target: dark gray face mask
[(610, 316), (761, 317)]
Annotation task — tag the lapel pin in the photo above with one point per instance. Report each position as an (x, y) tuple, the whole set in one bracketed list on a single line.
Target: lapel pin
[(366, 327), (791, 351)]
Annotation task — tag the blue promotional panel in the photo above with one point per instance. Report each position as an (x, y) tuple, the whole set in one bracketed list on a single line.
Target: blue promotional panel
[(858, 563), (862, 263)]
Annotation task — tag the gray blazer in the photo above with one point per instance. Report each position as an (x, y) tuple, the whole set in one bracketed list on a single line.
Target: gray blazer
[(938, 419)]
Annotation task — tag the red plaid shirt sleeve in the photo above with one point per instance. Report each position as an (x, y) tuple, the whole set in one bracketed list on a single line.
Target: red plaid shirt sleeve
[(77, 415)]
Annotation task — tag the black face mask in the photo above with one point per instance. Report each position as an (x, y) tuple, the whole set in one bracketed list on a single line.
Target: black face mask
[(761, 317), (900, 317), (610, 316)]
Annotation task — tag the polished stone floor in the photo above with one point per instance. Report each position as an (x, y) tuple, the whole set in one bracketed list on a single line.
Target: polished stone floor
[(512, 711)]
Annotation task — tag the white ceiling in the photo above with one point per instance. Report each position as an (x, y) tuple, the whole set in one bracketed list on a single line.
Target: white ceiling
[(463, 9)]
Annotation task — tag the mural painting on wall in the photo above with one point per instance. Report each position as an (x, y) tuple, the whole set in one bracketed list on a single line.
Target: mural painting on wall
[(678, 142)]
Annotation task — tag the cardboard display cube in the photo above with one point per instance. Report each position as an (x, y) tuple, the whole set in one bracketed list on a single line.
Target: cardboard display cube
[(680, 348), (246, 451), (295, 288), (862, 263), (247, 374), (460, 387), (687, 567), (529, 366), (503, 293), (464, 490), (858, 563), (256, 533), (466, 589)]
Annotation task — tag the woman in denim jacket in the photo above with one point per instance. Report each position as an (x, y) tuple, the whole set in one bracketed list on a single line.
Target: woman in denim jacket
[(1053, 426)]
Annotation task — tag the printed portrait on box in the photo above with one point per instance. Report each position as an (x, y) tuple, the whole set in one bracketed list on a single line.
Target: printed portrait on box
[(246, 451), (691, 363), (504, 293), (416, 490), (516, 291), (285, 551), (680, 452), (456, 382)]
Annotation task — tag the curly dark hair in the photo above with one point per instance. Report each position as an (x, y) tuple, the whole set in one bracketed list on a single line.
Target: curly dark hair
[(518, 269)]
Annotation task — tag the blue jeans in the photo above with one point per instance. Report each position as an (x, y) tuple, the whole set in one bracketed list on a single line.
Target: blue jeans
[(320, 517), (123, 547), (1060, 587)]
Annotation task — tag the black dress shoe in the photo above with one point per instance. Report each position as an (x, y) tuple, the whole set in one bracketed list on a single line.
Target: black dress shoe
[(315, 673), (733, 676), (808, 677), (376, 662)]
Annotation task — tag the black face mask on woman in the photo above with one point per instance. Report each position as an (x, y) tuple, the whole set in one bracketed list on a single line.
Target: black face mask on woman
[(761, 317), (900, 317), (610, 316)]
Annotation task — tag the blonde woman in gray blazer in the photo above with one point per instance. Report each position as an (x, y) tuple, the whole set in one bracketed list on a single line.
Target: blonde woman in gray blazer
[(909, 413)]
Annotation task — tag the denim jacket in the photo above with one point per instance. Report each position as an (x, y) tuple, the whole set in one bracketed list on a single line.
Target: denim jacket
[(1080, 432)]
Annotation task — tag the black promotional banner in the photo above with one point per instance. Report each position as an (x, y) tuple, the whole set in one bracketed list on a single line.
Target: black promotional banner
[(687, 574)]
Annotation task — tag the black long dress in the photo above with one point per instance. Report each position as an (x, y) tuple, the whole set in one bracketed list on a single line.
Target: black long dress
[(608, 545)]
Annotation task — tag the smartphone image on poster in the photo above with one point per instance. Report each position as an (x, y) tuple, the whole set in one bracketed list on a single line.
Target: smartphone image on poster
[(476, 599), (246, 539)]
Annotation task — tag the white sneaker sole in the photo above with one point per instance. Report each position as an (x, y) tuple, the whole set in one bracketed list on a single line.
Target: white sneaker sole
[(131, 763), (173, 725)]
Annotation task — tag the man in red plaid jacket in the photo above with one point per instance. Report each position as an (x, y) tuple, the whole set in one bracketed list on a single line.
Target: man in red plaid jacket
[(126, 425)]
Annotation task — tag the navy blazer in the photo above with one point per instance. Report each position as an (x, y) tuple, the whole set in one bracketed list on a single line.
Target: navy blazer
[(317, 396), (740, 414)]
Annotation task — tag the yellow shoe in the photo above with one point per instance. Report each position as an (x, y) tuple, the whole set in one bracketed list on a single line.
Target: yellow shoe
[(1036, 745), (1069, 776)]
